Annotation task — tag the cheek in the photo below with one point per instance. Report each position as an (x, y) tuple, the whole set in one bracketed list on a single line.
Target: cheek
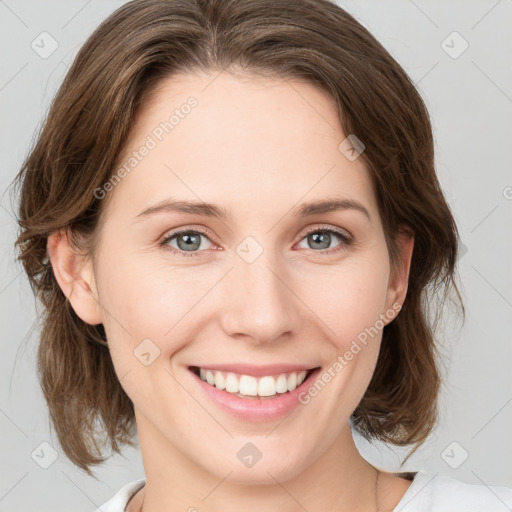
[(145, 298), (350, 300), (348, 297)]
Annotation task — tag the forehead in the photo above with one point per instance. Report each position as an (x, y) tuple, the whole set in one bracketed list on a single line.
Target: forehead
[(252, 109), (247, 141)]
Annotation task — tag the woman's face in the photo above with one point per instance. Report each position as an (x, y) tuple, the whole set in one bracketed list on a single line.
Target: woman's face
[(263, 285)]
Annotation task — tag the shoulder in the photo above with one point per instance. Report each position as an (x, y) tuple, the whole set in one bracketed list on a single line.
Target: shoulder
[(431, 492), (118, 502)]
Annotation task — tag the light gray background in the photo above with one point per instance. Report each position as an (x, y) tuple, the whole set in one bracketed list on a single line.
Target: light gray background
[(470, 100)]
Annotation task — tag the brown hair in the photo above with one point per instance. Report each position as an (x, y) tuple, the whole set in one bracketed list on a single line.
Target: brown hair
[(88, 125)]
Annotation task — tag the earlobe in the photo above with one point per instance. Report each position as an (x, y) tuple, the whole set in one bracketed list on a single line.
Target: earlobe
[(399, 279), (75, 276)]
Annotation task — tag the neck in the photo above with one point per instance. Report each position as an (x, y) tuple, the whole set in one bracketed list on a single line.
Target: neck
[(338, 479)]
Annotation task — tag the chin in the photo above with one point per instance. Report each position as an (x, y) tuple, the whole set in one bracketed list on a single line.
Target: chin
[(247, 464)]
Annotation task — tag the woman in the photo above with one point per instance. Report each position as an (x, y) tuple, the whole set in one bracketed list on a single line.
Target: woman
[(233, 220)]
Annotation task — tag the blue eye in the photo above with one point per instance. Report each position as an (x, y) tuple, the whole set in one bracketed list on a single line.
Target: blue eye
[(189, 242), (322, 238)]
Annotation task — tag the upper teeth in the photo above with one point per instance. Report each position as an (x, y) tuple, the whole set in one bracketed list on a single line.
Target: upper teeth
[(251, 386)]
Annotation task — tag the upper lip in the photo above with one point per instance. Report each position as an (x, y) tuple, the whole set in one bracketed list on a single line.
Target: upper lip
[(257, 370)]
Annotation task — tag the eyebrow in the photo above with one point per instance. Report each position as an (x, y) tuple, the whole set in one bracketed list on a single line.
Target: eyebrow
[(214, 211)]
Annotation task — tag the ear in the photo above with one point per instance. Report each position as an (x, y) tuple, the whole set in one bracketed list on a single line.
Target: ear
[(75, 276), (399, 278)]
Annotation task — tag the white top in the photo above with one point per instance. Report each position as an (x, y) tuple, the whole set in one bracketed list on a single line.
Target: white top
[(427, 493)]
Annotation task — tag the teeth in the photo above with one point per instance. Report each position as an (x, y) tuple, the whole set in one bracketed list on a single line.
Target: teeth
[(292, 381), (209, 377), (266, 386), (282, 384), (232, 385), (219, 381), (248, 385)]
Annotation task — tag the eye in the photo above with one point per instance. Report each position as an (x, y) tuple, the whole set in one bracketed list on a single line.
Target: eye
[(321, 238), (188, 241)]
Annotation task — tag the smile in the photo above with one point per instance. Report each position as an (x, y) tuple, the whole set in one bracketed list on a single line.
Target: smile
[(250, 386), (267, 396)]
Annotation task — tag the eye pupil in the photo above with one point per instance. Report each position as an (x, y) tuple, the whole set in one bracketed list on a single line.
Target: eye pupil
[(192, 242), (322, 238)]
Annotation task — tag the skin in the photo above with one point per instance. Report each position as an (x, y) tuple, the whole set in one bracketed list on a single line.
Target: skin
[(258, 147)]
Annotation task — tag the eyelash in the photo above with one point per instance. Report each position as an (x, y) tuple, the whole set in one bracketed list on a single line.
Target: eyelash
[(346, 240)]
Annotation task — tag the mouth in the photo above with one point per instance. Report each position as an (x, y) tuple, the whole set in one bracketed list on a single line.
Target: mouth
[(250, 386), (264, 396)]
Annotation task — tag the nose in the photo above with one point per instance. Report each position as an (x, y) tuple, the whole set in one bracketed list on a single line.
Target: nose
[(258, 302)]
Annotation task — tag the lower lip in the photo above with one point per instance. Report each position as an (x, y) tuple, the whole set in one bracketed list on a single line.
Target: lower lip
[(257, 409)]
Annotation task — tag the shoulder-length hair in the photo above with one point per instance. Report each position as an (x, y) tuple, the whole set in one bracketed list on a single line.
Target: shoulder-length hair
[(145, 41)]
